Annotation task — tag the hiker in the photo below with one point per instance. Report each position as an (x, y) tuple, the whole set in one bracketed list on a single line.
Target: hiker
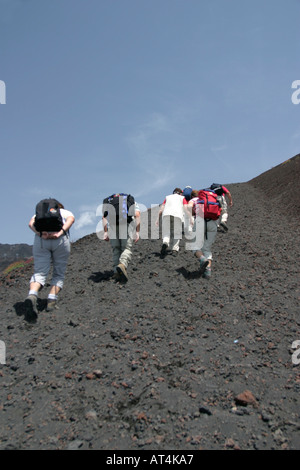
[(191, 204), (223, 193), (51, 225), (121, 225), (172, 210), (199, 207), (187, 191)]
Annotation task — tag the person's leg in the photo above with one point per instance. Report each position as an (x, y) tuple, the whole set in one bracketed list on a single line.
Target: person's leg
[(176, 231), (42, 263), (116, 252), (61, 249), (204, 263), (34, 288), (125, 258), (166, 228), (126, 247), (199, 229), (224, 214), (211, 232)]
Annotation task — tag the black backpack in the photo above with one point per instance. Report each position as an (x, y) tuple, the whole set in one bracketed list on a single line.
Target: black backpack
[(47, 216), (121, 203), (217, 188)]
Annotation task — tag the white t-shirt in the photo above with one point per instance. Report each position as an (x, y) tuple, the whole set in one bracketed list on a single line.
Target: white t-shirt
[(174, 205), (65, 214)]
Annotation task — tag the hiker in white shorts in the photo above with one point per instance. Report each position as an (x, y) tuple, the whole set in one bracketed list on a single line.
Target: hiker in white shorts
[(49, 248), (173, 210)]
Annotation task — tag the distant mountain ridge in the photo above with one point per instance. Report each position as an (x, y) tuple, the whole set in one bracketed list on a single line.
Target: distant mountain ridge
[(11, 253)]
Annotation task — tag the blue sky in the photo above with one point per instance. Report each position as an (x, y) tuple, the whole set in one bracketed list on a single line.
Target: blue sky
[(140, 96)]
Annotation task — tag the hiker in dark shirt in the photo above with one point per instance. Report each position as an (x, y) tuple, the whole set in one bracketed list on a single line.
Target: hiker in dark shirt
[(121, 235)]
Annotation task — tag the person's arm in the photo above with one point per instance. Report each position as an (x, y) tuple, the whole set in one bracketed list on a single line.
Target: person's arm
[(105, 228), (229, 198), (189, 211), (137, 225), (227, 193), (160, 212), (32, 226), (66, 226), (43, 235)]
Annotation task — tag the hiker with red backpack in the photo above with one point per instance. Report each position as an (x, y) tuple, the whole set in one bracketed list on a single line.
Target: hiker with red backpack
[(206, 207), (51, 224), (223, 193)]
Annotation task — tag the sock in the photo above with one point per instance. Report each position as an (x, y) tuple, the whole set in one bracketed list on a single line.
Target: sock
[(33, 292), (52, 297)]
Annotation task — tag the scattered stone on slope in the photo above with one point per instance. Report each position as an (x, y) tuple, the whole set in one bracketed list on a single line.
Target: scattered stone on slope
[(158, 363)]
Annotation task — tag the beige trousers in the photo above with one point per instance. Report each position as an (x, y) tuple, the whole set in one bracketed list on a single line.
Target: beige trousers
[(121, 244)]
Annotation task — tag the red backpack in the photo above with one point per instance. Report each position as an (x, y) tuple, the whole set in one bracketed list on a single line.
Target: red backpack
[(212, 207)]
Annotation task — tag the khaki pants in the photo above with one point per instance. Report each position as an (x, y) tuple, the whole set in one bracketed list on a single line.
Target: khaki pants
[(121, 244), (224, 213)]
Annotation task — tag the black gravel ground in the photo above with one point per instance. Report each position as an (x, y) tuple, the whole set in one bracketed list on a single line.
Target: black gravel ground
[(169, 360)]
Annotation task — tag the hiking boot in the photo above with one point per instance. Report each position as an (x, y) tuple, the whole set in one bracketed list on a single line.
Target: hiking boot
[(203, 266), (116, 276), (224, 226), (31, 305), (51, 305), (163, 250), (207, 273), (122, 272)]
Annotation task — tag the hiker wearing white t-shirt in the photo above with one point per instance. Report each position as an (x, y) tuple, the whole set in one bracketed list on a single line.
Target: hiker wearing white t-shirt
[(172, 211)]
